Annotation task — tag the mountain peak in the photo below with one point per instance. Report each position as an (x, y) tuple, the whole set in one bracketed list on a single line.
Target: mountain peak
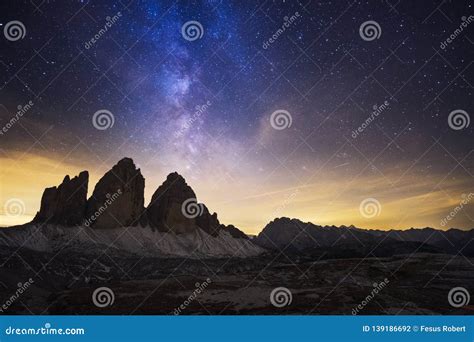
[(126, 164), (176, 177), (165, 209), (126, 161), (174, 207), (118, 201), (66, 203), (121, 192), (282, 219)]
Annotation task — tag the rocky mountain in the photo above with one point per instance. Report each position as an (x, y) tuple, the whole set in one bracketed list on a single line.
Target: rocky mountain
[(114, 218), (174, 223), (165, 212), (121, 191), (292, 235), (65, 204), (450, 241)]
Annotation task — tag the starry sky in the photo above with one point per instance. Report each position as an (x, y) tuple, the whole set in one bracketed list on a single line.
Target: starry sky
[(261, 105)]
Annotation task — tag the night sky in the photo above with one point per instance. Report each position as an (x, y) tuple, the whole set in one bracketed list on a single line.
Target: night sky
[(200, 102)]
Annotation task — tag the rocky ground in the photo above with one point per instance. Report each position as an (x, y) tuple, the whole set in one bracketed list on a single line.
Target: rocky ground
[(416, 284)]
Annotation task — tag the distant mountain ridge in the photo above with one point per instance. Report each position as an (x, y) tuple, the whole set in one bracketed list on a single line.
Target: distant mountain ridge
[(293, 235)]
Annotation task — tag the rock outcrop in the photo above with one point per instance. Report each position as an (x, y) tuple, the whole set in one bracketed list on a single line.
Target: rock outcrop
[(295, 235), (66, 204), (208, 222), (118, 197), (164, 212), (118, 201), (174, 208), (235, 232)]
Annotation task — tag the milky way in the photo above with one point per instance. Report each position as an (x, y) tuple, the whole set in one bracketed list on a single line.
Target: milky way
[(366, 112)]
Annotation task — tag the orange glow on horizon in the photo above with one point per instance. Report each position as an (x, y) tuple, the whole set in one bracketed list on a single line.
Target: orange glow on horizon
[(331, 199)]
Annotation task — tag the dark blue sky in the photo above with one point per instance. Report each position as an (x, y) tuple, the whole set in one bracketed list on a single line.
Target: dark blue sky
[(318, 68)]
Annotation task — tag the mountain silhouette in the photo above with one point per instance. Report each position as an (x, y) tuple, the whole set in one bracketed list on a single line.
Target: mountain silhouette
[(175, 223), (293, 235)]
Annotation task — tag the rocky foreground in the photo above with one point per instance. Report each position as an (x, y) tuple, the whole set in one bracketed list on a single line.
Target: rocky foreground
[(65, 284)]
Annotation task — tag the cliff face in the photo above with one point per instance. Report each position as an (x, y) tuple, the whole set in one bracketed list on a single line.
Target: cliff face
[(118, 201), (165, 211), (65, 204), (174, 208), (118, 197)]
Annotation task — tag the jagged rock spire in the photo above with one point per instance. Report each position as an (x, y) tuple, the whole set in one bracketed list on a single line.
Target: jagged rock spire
[(65, 204), (118, 197)]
